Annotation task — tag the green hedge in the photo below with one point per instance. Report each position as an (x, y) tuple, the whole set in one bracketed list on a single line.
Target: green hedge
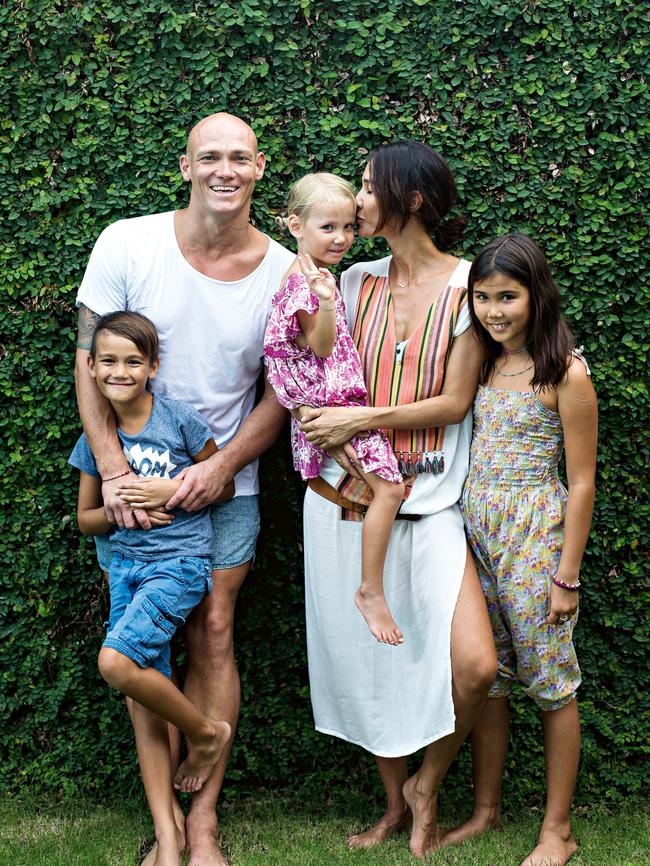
[(541, 109)]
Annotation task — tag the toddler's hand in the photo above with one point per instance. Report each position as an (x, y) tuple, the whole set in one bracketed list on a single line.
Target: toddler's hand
[(321, 281)]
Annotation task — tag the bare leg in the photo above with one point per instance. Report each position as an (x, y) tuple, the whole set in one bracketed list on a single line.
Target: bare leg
[(556, 845), (473, 666), (175, 755), (206, 738), (489, 748), (152, 742), (396, 817), (212, 683), (375, 535)]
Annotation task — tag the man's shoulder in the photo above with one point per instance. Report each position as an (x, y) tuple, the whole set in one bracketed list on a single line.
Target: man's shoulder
[(138, 227), (276, 253)]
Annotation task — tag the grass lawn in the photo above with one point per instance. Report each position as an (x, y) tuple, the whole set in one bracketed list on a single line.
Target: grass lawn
[(285, 832)]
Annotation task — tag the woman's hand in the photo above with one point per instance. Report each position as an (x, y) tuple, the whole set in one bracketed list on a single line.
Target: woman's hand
[(320, 280), (562, 605), (330, 427), (147, 493)]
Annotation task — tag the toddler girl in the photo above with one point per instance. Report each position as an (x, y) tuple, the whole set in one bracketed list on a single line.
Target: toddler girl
[(527, 533), (312, 361)]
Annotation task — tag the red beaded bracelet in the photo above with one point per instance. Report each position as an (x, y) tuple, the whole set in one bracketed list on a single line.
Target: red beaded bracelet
[(113, 477), (563, 585)]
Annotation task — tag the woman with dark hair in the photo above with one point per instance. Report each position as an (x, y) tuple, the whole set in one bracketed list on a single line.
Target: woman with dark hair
[(409, 319)]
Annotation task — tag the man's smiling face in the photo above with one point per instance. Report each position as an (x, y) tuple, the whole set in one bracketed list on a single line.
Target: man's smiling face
[(223, 164)]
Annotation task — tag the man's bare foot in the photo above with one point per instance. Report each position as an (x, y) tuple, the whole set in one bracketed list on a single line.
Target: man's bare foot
[(553, 849), (204, 846), (379, 832), (378, 617), (424, 807), (202, 754), (480, 822)]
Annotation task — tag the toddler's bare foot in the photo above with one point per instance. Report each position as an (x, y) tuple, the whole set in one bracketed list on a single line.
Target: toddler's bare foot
[(481, 821), (202, 754), (424, 808), (554, 848), (378, 617), (387, 825)]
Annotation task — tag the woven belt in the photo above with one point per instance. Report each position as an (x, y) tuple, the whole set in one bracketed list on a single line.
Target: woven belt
[(324, 489)]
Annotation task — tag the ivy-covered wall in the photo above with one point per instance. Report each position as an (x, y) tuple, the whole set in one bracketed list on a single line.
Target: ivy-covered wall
[(542, 110)]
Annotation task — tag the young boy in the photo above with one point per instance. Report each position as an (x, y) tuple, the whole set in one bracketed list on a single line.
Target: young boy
[(156, 577)]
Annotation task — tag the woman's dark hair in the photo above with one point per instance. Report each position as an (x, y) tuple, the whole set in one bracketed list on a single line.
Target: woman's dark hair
[(549, 340), (133, 326), (398, 170)]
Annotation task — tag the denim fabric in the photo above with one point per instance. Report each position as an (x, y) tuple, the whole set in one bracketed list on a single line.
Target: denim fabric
[(149, 601), (235, 527)]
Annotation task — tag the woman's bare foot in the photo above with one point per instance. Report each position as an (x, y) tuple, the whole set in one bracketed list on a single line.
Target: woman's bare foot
[(202, 754), (378, 617), (179, 818), (554, 848), (483, 820), (388, 824), (424, 833)]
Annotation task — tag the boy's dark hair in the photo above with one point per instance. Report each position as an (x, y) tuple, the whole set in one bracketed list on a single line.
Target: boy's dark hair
[(398, 170), (133, 326), (550, 341)]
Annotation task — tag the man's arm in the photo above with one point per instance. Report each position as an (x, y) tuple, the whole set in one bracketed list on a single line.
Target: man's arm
[(204, 482), (98, 420)]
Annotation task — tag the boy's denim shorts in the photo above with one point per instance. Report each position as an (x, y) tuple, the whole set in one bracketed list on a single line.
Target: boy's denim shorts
[(149, 601), (235, 527)]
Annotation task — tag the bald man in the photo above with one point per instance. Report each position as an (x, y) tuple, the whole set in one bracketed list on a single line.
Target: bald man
[(205, 276)]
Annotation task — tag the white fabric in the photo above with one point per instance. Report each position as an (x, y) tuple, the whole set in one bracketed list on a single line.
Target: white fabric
[(390, 700), (211, 332)]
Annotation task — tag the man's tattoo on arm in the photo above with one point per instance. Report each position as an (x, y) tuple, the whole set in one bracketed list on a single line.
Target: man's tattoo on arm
[(86, 327)]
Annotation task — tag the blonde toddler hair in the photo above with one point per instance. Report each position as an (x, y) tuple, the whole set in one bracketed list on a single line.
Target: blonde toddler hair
[(320, 187)]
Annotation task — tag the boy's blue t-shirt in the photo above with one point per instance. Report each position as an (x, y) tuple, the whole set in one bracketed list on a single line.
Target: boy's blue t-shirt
[(174, 433)]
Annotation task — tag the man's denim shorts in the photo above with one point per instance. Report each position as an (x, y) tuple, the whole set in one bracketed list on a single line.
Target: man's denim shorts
[(235, 527), (149, 601)]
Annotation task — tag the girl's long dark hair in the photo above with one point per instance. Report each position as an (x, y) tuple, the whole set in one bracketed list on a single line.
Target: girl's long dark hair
[(550, 341)]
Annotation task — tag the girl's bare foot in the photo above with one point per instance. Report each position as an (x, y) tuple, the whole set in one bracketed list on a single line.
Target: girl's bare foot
[(424, 834), (202, 754), (554, 848), (378, 617), (387, 825), (483, 820), (167, 851)]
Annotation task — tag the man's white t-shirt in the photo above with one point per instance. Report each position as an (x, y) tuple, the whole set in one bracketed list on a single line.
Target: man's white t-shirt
[(211, 332)]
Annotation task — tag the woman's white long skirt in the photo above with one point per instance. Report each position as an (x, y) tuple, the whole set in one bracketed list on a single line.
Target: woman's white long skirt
[(390, 700)]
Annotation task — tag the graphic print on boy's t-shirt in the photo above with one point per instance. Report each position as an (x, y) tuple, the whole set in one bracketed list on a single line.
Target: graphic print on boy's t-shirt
[(148, 462)]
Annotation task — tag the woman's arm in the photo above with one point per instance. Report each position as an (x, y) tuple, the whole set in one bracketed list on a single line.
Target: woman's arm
[(578, 410), (333, 426)]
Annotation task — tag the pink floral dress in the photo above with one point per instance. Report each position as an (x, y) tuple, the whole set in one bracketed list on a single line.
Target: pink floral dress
[(301, 378)]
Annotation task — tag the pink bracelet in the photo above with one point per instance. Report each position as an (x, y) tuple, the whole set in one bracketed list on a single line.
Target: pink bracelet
[(113, 477), (563, 585)]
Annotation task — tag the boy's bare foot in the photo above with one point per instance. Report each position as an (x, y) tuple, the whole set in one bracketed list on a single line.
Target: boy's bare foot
[(202, 754), (424, 833), (481, 822), (553, 849), (166, 852), (388, 824), (378, 617)]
